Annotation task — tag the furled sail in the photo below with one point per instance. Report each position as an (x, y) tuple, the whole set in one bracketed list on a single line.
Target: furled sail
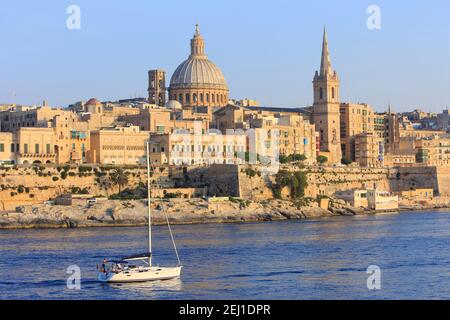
[(142, 256)]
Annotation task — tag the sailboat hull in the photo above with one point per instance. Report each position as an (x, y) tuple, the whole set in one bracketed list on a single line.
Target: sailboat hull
[(141, 275)]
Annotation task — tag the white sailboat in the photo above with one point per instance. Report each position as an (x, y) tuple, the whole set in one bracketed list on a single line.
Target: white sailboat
[(139, 268)]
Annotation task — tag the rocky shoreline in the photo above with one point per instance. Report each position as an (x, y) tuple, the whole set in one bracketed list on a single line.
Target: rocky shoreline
[(117, 213)]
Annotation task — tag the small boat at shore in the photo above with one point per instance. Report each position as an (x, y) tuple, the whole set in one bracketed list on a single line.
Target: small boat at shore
[(140, 268)]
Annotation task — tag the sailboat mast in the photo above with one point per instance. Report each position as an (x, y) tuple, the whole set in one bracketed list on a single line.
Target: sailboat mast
[(149, 206)]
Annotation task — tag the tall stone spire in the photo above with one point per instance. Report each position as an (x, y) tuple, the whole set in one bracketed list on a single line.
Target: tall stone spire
[(325, 65), (326, 112), (198, 44)]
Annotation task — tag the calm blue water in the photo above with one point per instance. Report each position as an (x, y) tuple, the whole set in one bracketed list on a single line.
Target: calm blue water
[(322, 259)]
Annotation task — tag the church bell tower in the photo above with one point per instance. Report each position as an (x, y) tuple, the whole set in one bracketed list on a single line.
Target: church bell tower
[(326, 113), (157, 87)]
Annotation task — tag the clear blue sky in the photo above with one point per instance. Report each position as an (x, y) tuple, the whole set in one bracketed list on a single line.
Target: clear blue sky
[(268, 50)]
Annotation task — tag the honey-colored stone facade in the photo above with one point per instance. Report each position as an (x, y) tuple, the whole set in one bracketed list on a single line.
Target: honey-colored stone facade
[(354, 119), (369, 150), (197, 149), (119, 146)]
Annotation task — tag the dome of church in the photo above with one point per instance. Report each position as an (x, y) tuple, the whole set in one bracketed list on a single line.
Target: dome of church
[(93, 102), (174, 105), (198, 81), (198, 72)]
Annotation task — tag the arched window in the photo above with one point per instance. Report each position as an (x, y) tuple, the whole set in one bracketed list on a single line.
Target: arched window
[(188, 98), (213, 96), (332, 92), (180, 98), (194, 98), (321, 93), (201, 97), (207, 97)]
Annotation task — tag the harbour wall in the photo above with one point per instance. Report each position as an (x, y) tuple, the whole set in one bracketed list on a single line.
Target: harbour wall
[(28, 186)]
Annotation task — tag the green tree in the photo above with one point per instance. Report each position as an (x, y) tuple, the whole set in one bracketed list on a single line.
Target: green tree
[(292, 158), (118, 177), (297, 183), (322, 159)]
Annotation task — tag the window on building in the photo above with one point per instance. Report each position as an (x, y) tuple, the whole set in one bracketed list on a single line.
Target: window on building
[(321, 93), (25, 148), (2, 147), (36, 148), (12, 147), (332, 92), (48, 148)]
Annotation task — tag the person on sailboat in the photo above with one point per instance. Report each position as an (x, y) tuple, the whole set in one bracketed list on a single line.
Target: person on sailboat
[(103, 269)]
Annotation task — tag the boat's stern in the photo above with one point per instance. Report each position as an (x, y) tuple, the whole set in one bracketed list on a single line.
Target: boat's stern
[(103, 277)]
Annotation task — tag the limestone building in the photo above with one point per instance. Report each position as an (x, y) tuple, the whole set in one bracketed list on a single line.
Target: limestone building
[(118, 146), (185, 148), (28, 146), (292, 134), (355, 119), (443, 120), (161, 120), (379, 124), (326, 115), (392, 131), (433, 151), (229, 117), (8, 145), (369, 150), (291, 127), (15, 119)]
